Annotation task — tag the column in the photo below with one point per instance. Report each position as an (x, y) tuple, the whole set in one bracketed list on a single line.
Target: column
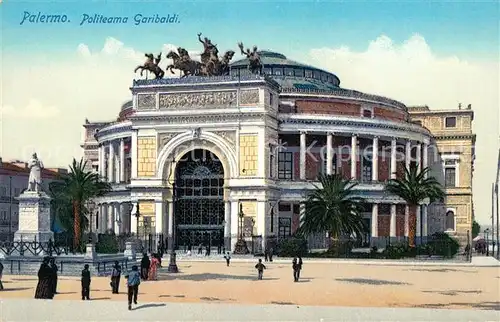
[(133, 219), (111, 161), (329, 152), (303, 155), (122, 161), (170, 234), (133, 153), (375, 159), (117, 167), (117, 219), (262, 223), (418, 232), (425, 158), (392, 231), (374, 230), (408, 154), (424, 222), (354, 159), (159, 217), (419, 157), (235, 222), (407, 220), (302, 213), (227, 225), (111, 219), (125, 211), (102, 160), (393, 159)]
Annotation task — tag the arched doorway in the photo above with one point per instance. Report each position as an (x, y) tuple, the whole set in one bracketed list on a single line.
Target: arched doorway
[(199, 200), (450, 221)]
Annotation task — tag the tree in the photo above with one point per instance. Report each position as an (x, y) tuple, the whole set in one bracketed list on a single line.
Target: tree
[(333, 208), (71, 192), (476, 229), (415, 188)]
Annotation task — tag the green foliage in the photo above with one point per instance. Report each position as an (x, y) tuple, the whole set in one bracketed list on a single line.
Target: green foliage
[(415, 187), (442, 244), (107, 244), (397, 251), (340, 248), (292, 247), (476, 229), (333, 208)]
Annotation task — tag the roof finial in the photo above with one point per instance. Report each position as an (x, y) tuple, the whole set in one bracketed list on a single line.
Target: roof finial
[(459, 106)]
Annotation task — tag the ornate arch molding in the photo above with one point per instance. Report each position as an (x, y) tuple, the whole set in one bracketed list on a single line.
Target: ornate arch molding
[(186, 142)]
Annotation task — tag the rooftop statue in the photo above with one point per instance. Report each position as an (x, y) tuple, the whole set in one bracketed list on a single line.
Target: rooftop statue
[(184, 63), (151, 65), (254, 62), (35, 178)]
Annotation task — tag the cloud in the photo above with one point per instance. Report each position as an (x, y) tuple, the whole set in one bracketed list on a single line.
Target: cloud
[(412, 73), (34, 110)]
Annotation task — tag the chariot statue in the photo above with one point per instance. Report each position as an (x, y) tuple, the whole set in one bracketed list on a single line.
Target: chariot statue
[(151, 65), (254, 61), (35, 178)]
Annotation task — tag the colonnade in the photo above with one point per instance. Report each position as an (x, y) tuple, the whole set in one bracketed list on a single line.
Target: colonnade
[(112, 161)]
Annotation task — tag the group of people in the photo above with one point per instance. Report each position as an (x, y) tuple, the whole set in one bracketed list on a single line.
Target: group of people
[(47, 279), (260, 267), (149, 267)]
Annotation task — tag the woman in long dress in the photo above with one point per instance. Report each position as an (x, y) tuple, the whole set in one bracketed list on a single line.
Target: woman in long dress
[(44, 289), (153, 268)]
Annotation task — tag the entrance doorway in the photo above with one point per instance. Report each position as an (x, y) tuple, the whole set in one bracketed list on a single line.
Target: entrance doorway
[(199, 203)]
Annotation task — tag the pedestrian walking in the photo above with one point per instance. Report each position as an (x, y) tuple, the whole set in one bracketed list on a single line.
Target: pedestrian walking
[(115, 278), (228, 258), (85, 282), (53, 266), (260, 269), (133, 281), (44, 288), (145, 263), (297, 266)]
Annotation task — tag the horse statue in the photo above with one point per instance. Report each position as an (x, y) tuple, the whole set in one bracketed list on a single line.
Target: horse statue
[(224, 63), (254, 61), (151, 65), (184, 63)]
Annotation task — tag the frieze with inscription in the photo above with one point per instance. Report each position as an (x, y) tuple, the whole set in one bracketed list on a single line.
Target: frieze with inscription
[(146, 101), (197, 100), (248, 97)]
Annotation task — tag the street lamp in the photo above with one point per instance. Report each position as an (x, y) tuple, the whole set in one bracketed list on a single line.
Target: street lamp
[(486, 232), (172, 265), (241, 244), (137, 216)]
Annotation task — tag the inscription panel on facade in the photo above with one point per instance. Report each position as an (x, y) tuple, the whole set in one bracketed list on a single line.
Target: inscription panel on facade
[(146, 101), (249, 97), (198, 100)]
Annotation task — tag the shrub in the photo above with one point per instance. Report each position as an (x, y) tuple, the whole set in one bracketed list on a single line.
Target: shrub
[(107, 244), (292, 247), (397, 251), (442, 244)]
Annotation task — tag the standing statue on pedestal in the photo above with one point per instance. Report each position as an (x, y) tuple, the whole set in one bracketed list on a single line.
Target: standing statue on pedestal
[(254, 62), (35, 179)]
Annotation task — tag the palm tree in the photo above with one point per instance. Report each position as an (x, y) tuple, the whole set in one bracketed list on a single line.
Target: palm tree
[(71, 193), (415, 188), (333, 208)]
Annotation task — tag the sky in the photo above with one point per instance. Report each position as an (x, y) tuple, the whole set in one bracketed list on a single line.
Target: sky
[(54, 75)]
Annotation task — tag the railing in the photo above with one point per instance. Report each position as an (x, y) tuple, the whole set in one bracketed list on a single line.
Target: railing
[(32, 248)]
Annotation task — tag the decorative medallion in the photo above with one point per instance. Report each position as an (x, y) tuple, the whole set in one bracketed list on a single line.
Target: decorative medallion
[(198, 100), (146, 101)]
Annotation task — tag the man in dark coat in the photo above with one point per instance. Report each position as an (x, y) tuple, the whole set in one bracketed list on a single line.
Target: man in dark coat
[(145, 263), (53, 266), (44, 288), (115, 277), (85, 282)]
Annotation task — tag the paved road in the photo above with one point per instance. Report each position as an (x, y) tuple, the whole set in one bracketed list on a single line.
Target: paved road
[(17, 310)]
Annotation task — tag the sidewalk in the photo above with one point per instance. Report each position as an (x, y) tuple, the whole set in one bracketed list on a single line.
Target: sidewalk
[(480, 261), (103, 310)]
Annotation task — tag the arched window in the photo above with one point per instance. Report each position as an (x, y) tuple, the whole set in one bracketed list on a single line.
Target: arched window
[(450, 221)]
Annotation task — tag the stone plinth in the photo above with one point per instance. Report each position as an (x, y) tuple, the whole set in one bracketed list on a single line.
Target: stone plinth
[(130, 250), (90, 252), (34, 217)]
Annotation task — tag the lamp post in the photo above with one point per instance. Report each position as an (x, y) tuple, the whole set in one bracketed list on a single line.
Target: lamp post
[(172, 265), (137, 216), (486, 232), (90, 247), (241, 244)]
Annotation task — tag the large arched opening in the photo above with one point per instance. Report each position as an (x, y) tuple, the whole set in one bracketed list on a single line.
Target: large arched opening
[(199, 200)]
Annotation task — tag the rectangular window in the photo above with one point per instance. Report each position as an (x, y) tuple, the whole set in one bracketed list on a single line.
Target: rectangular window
[(284, 207), (3, 191), (271, 163), (288, 71), (367, 113), (284, 227), (278, 71), (366, 175), (325, 164), (285, 165), (451, 122), (449, 177)]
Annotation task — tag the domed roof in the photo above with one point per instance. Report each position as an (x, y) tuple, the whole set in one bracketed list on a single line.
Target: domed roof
[(127, 105), (289, 73)]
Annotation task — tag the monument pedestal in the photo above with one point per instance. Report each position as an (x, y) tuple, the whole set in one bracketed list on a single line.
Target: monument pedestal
[(34, 218)]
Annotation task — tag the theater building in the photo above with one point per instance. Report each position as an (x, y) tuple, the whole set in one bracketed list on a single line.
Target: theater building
[(193, 152)]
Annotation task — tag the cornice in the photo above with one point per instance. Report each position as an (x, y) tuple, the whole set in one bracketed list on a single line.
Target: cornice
[(455, 137), (115, 128)]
